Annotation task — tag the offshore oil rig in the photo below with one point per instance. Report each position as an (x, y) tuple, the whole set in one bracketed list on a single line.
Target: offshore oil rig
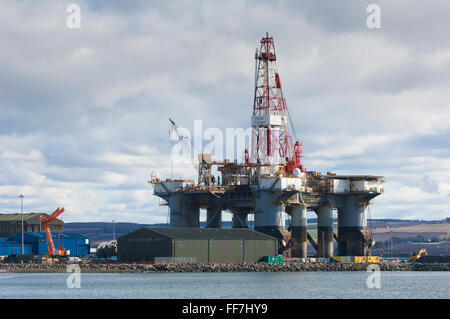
[(272, 182)]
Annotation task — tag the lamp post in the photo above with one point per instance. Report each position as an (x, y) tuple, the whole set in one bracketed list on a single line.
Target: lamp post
[(388, 242), (21, 210), (392, 244), (114, 230)]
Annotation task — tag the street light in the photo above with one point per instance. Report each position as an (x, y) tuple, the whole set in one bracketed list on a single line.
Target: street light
[(388, 242), (392, 244), (114, 230), (21, 209)]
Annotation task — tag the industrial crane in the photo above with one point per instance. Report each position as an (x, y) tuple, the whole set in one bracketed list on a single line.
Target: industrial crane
[(45, 223), (203, 171), (185, 142)]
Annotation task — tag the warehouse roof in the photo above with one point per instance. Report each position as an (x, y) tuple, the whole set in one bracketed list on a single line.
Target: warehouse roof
[(205, 233), (18, 217), (26, 217)]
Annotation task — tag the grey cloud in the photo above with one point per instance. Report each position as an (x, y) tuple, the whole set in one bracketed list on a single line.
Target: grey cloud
[(79, 96)]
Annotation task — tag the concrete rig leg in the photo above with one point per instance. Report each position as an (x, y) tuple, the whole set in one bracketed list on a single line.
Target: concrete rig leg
[(213, 218), (183, 214), (353, 237), (299, 235), (269, 215), (325, 231), (176, 218), (239, 219)]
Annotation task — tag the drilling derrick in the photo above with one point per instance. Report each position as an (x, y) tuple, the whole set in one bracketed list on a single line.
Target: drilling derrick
[(272, 141)]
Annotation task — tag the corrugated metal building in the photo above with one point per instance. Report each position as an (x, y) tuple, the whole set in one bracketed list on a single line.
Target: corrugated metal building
[(9, 247), (203, 245), (77, 244), (11, 224)]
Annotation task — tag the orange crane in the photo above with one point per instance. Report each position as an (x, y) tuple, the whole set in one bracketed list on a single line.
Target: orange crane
[(50, 246)]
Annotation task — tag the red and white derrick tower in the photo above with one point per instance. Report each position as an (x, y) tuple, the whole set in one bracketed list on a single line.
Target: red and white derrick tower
[(272, 141)]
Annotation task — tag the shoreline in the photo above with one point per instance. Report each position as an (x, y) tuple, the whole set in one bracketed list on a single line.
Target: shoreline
[(191, 268)]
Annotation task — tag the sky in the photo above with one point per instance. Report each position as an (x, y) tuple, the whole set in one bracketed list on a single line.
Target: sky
[(84, 111)]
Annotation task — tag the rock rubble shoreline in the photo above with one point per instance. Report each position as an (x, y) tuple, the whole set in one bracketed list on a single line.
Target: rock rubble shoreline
[(190, 268)]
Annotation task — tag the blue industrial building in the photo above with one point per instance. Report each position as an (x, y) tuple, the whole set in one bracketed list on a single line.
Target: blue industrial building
[(10, 247), (36, 243)]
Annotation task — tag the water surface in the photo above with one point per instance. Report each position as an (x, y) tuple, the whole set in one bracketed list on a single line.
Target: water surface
[(227, 285)]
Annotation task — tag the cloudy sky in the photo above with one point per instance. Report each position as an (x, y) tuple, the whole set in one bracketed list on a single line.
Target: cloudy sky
[(84, 112)]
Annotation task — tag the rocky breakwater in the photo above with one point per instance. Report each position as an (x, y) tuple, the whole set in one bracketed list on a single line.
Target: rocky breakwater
[(245, 267)]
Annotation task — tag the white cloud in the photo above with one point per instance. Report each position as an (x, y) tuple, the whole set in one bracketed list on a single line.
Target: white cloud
[(85, 112), (444, 189)]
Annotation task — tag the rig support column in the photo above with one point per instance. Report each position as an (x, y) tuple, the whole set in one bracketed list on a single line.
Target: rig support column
[(353, 237), (325, 231), (176, 219), (299, 235), (269, 215), (183, 214), (213, 218)]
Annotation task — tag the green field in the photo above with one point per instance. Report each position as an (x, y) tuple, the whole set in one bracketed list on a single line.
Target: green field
[(437, 243), (432, 225)]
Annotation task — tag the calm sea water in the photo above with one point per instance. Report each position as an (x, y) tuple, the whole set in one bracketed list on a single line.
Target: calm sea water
[(228, 285)]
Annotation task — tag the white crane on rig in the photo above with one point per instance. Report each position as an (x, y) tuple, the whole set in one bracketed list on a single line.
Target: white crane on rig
[(186, 144), (203, 171)]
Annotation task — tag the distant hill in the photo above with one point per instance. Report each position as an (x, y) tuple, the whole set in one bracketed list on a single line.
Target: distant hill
[(103, 231), (407, 235)]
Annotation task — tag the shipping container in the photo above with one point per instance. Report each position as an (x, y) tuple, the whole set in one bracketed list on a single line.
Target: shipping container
[(273, 259)]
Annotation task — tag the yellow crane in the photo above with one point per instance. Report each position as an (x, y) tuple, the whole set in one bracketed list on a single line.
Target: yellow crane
[(419, 254)]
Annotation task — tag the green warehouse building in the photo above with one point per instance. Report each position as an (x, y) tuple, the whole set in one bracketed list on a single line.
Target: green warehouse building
[(11, 224), (201, 245)]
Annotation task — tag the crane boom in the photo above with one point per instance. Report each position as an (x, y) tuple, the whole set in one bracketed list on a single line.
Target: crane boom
[(45, 223), (185, 143)]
